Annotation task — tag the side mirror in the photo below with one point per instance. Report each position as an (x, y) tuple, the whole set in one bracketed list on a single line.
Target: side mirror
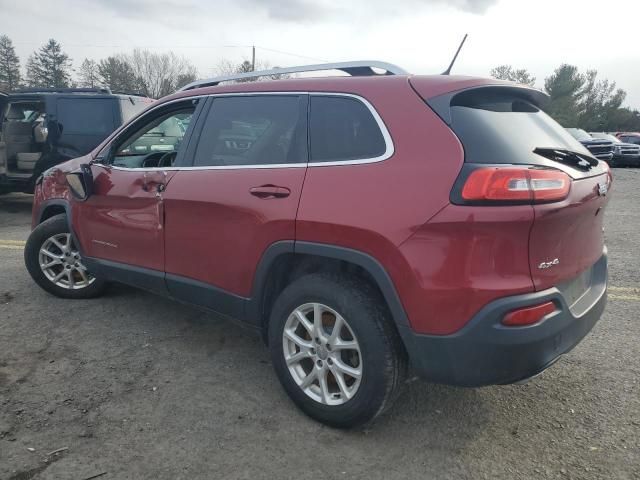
[(81, 182)]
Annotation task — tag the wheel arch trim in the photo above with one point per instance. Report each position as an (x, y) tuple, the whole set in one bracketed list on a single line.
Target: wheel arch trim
[(59, 202), (367, 262)]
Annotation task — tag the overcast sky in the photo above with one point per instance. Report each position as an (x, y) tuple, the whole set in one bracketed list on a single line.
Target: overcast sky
[(419, 35)]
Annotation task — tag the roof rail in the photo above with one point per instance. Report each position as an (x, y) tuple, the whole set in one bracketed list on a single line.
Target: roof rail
[(362, 68), (63, 90), (131, 94)]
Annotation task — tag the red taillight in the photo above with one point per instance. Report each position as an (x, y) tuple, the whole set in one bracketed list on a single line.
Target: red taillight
[(516, 184), (528, 315)]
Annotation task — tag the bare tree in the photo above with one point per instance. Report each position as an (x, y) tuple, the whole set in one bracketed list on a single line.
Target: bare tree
[(89, 74), (507, 72), (161, 73)]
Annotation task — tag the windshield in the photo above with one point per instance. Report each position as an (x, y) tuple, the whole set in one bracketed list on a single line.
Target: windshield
[(605, 136), (579, 134)]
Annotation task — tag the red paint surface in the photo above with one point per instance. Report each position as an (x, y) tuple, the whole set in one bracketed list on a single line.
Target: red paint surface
[(122, 221), (570, 231), (216, 230), (446, 261)]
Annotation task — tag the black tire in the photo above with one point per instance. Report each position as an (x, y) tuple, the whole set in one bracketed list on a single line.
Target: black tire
[(384, 360), (47, 229)]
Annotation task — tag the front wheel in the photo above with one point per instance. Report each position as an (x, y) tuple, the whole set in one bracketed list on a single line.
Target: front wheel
[(55, 264), (335, 349)]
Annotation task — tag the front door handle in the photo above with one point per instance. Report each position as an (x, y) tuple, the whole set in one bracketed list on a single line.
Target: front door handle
[(270, 191), (154, 180)]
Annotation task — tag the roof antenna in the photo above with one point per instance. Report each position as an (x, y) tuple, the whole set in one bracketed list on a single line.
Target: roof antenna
[(448, 70)]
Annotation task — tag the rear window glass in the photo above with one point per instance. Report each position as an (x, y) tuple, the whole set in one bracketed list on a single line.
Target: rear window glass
[(86, 116), (500, 127), (343, 128), (130, 108)]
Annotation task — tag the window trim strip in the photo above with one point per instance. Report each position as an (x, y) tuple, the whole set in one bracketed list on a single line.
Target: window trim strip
[(389, 150)]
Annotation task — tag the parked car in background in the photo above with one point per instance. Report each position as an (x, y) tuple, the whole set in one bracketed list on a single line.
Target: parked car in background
[(359, 223), (629, 137), (624, 154), (43, 127), (599, 148)]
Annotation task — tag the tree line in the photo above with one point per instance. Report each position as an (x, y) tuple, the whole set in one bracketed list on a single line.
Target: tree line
[(579, 99), (151, 74), (141, 71)]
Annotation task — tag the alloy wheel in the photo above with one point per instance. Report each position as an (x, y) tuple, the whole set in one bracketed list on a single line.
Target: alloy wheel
[(322, 354), (61, 263)]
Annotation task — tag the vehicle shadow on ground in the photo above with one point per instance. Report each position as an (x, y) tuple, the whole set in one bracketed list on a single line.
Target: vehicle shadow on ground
[(423, 407)]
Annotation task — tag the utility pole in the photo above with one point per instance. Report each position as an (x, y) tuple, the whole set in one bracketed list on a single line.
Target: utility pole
[(253, 58)]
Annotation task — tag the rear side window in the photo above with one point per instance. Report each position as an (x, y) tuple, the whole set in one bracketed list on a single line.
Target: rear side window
[(342, 129), (130, 108), (86, 116), (253, 130), (498, 126)]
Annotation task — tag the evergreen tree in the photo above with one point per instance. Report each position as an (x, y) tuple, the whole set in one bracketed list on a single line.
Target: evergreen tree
[(9, 65), (116, 73), (49, 67)]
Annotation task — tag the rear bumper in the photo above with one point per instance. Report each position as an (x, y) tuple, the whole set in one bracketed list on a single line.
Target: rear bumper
[(485, 352)]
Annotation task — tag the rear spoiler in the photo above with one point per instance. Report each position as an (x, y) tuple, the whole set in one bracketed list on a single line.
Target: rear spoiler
[(442, 103)]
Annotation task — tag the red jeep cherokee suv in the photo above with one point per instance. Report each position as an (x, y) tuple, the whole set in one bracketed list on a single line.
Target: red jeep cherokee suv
[(362, 223)]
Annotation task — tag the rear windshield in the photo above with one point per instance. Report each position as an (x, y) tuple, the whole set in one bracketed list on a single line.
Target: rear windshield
[(130, 108), (86, 116), (500, 127), (579, 134)]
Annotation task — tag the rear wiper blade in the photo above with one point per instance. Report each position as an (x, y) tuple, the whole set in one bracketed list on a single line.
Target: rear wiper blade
[(569, 157)]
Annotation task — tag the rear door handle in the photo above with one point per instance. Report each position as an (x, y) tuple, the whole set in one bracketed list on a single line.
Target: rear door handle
[(270, 191)]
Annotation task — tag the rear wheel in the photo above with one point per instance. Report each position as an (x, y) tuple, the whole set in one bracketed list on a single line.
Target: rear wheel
[(54, 262), (335, 350)]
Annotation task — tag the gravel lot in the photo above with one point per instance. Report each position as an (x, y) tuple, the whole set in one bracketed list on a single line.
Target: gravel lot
[(144, 388)]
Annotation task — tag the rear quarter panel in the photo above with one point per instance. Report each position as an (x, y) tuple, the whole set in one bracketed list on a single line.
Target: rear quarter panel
[(374, 207)]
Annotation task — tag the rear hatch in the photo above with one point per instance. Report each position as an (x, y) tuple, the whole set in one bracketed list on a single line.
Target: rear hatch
[(504, 127)]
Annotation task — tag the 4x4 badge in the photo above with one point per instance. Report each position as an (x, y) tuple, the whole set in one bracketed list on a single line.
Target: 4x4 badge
[(545, 265)]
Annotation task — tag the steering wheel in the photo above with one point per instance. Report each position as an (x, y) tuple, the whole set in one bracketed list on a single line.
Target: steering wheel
[(167, 159), (152, 159)]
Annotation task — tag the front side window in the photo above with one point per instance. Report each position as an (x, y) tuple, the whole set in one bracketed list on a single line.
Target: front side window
[(253, 130), (157, 141), (342, 129)]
